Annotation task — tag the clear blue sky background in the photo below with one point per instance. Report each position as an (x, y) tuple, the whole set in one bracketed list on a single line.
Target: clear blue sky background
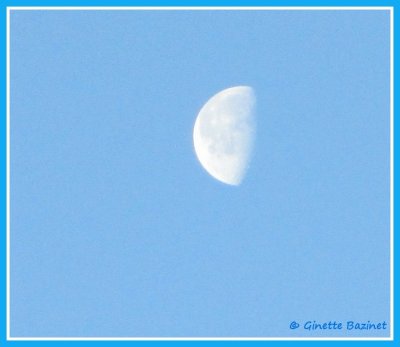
[(117, 230)]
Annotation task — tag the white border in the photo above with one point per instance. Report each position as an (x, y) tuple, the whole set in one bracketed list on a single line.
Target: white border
[(8, 173), (205, 8), (391, 173), (235, 8)]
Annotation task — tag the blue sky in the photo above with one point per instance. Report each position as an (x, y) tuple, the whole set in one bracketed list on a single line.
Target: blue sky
[(117, 230)]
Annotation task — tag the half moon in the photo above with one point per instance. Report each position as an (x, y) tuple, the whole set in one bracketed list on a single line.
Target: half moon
[(224, 134)]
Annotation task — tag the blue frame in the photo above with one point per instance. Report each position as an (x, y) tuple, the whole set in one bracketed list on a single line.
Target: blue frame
[(3, 146)]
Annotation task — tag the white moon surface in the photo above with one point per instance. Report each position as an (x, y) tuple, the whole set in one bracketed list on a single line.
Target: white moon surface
[(224, 134)]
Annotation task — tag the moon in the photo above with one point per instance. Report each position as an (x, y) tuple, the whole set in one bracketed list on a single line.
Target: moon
[(224, 134)]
